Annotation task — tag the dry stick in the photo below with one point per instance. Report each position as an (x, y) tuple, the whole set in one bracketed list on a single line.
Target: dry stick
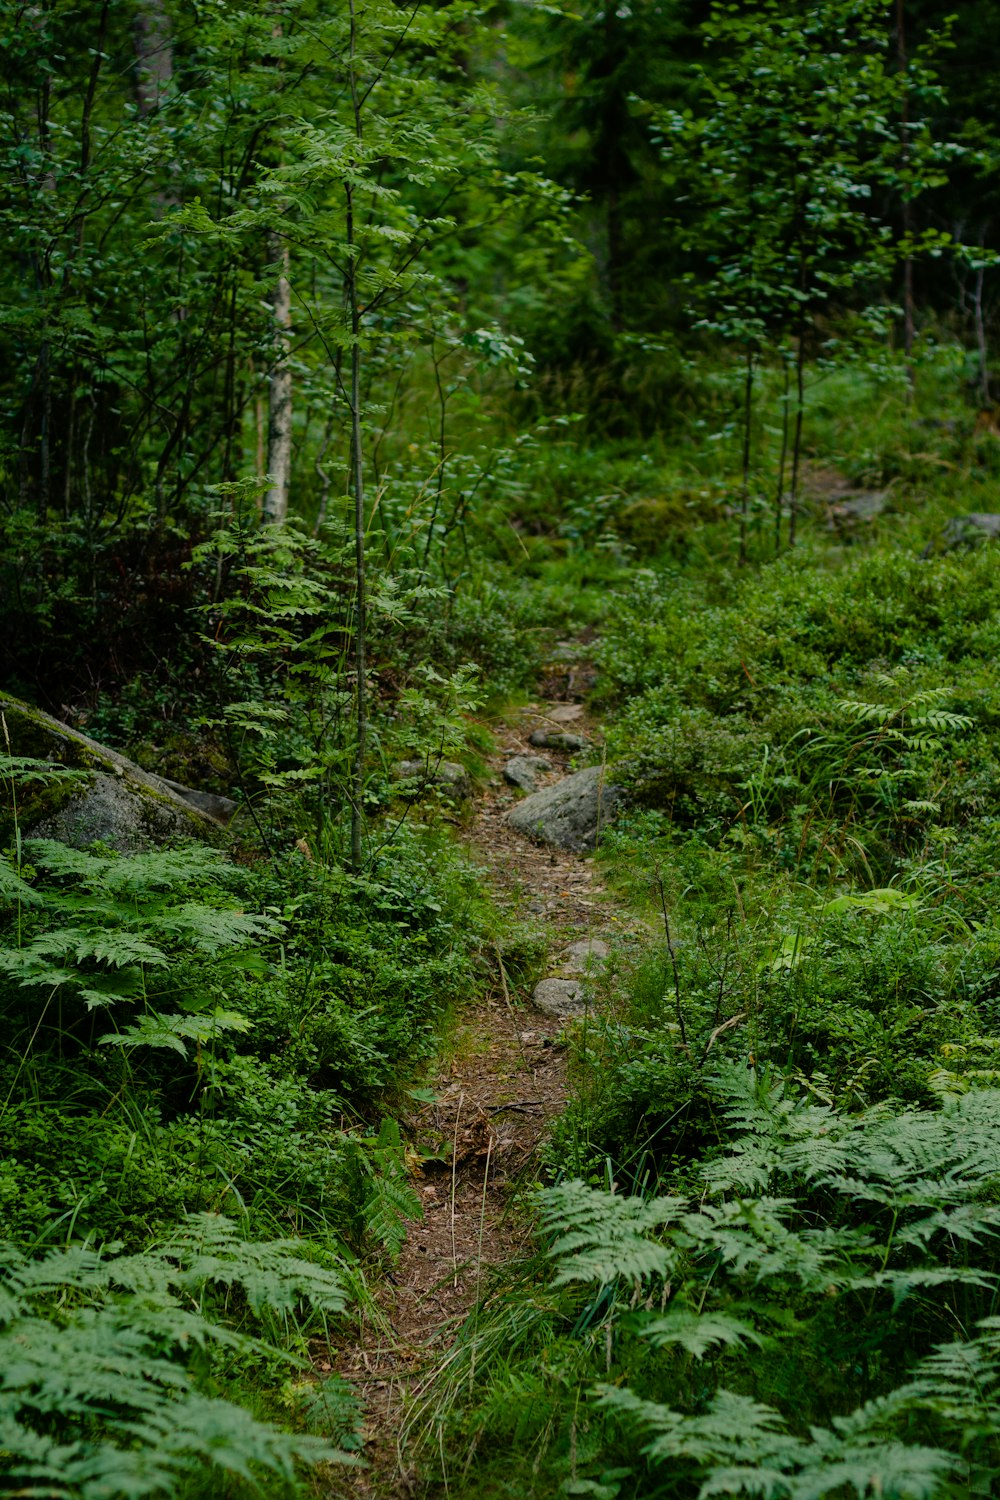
[(479, 1261), (673, 961), (454, 1173), (719, 1030)]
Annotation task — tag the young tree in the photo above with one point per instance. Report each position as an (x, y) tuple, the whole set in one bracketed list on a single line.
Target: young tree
[(801, 121)]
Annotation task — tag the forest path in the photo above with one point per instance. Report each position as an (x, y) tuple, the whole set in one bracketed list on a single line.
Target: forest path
[(501, 1082)]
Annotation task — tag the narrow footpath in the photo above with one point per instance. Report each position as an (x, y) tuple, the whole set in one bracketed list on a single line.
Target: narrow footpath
[(502, 1081)]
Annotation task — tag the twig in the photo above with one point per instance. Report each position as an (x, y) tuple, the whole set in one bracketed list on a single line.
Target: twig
[(726, 1026), (510, 1008), (479, 1262), (673, 961), (454, 1173)]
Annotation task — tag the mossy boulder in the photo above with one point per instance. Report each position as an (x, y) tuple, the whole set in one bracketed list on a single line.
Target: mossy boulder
[(111, 800)]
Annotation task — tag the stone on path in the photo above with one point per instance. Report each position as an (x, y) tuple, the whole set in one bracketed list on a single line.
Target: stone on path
[(585, 956), (560, 997), (565, 713), (572, 813), (524, 770), (550, 739), (848, 511)]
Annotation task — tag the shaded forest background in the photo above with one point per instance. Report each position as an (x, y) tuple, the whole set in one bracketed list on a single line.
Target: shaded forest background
[(549, 217), (365, 369)]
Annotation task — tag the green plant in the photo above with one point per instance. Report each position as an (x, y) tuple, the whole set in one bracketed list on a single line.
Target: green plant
[(716, 1326), (107, 1373)]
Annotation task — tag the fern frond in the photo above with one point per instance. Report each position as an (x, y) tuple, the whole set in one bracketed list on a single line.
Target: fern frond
[(172, 1031), (209, 1249), (13, 888), (390, 1202), (697, 1332), (96, 1398), (601, 1237)]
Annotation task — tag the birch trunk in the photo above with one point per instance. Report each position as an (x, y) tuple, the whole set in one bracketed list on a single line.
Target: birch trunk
[(279, 429)]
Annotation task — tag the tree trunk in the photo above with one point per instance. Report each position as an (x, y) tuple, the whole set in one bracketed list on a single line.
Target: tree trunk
[(154, 55), (279, 433), (908, 305), (358, 486)]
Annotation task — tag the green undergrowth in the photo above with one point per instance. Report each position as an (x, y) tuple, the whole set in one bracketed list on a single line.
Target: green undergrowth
[(765, 1263), (202, 1165)]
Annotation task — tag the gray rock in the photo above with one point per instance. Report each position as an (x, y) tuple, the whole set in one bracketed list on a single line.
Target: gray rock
[(221, 809), (549, 739), (584, 957), (571, 813), (968, 531), (111, 799), (560, 997), (849, 511), (524, 770), (445, 775)]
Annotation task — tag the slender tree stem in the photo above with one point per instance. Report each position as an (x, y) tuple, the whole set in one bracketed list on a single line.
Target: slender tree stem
[(745, 488), (783, 460), (800, 402), (904, 121), (358, 484)]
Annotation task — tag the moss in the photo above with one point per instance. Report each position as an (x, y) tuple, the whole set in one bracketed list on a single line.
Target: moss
[(153, 817), (31, 733)]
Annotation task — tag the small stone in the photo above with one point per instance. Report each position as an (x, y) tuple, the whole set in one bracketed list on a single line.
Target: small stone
[(524, 770), (560, 997), (966, 532), (850, 510), (565, 713), (566, 650), (585, 957), (550, 739)]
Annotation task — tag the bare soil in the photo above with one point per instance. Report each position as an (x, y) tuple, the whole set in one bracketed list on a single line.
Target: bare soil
[(502, 1083)]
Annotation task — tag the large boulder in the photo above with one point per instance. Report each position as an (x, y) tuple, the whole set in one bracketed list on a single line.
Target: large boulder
[(572, 812), (110, 800)]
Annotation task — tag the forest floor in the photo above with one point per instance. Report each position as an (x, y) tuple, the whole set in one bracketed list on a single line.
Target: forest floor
[(501, 1082)]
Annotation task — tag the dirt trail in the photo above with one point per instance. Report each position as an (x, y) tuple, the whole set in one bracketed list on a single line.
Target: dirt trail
[(495, 1095)]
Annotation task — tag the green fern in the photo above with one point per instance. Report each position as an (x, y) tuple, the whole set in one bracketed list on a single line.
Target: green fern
[(600, 1237), (107, 930), (96, 1390), (738, 1446)]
